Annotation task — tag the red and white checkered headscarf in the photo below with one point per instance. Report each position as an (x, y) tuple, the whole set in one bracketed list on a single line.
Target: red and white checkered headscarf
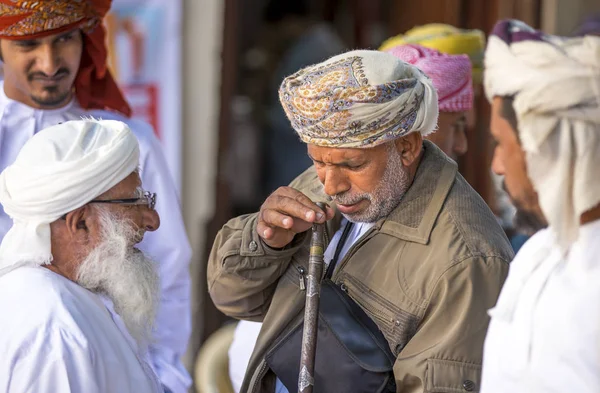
[(451, 74), (95, 87)]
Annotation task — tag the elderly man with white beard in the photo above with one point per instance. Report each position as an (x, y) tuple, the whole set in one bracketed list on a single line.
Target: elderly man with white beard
[(74, 195)]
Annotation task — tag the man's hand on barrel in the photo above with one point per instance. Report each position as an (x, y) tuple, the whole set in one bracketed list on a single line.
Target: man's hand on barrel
[(285, 213)]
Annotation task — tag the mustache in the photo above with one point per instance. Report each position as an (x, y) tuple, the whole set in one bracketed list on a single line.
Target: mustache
[(348, 199), (38, 75)]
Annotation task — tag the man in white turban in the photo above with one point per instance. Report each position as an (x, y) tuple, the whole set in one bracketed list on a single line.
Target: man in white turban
[(407, 240), (545, 94), (78, 210)]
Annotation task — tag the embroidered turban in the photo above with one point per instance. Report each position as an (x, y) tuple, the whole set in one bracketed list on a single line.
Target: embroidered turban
[(58, 170), (359, 99), (451, 75), (555, 82), (446, 39), (95, 87)]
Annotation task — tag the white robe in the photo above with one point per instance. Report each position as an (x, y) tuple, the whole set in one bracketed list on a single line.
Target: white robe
[(57, 336), (168, 245), (544, 335)]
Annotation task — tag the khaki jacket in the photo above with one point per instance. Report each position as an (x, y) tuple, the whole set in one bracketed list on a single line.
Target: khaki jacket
[(427, 275)]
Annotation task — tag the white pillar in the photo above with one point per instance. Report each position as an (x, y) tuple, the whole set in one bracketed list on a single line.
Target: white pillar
[(202, 44)]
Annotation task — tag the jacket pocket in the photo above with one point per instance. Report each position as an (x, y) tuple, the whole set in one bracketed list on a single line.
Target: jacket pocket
[(398, 326), (449, 376)]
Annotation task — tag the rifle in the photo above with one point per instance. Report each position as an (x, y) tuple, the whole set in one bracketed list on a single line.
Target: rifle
[(311, 310)]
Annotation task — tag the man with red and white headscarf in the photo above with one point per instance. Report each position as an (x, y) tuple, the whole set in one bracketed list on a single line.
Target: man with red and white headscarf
[(451, 77), (54, 71)]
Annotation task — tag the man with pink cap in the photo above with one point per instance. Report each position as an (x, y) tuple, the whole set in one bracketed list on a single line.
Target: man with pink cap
[(451, 76)]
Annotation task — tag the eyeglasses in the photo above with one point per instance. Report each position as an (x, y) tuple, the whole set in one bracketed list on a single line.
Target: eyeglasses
[(148, 199)]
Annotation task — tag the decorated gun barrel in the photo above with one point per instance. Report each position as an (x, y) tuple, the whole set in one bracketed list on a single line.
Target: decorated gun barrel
[(311, 311)]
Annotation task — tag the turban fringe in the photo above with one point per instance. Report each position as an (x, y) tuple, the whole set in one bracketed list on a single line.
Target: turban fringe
[(95, 88), (451, 75), (58, 170), (346, 102), (555, 82)]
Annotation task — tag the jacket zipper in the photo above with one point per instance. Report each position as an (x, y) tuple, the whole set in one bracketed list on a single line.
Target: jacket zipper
[(261, 373), (302, 273), (381, 314), (338, 273)]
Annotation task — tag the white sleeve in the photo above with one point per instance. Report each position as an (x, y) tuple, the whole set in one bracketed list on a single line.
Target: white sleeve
[(240, 351), (170, 248), (58, 364)]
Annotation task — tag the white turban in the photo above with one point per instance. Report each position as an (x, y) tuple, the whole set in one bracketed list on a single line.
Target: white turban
[(359, 99), (555, 82), (58, 170)]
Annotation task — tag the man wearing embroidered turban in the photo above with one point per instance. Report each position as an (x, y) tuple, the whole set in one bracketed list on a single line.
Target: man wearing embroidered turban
[(55, 70), (451, 76), (407, 239), (545, 95), (78, 209)]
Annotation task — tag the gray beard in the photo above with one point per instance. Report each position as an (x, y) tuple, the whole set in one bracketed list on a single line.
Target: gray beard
[(528, 223), (125, 275), (385, 197)]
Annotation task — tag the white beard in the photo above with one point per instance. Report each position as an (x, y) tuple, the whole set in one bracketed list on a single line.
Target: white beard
[(124, 274), (385, 197)]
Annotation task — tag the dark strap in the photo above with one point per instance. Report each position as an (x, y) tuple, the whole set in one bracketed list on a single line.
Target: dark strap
[(338, 250)]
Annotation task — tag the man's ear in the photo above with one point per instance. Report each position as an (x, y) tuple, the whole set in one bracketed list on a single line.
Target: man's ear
[(409, 147), (76, 221)]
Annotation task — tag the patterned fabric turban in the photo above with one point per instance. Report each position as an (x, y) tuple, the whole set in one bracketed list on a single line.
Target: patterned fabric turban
[(451, 75), (446, 39), (555, 82), (359, 99), (58, 170), (95, 87)]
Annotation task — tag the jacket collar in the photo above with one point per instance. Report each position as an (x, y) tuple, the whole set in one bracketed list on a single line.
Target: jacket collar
[(413, 219)]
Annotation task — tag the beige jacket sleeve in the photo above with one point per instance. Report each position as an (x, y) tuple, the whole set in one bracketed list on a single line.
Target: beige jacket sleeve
[(445, 354), (243, 271)]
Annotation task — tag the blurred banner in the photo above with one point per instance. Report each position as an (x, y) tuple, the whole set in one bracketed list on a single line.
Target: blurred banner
[(144, 46)]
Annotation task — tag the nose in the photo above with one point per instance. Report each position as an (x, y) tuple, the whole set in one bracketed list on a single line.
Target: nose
[(151, 220), (48, 60), (497, 164), (461, 144), (334, 182)]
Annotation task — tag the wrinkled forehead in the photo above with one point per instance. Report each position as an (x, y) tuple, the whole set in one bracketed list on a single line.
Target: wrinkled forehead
[(321, 153)]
